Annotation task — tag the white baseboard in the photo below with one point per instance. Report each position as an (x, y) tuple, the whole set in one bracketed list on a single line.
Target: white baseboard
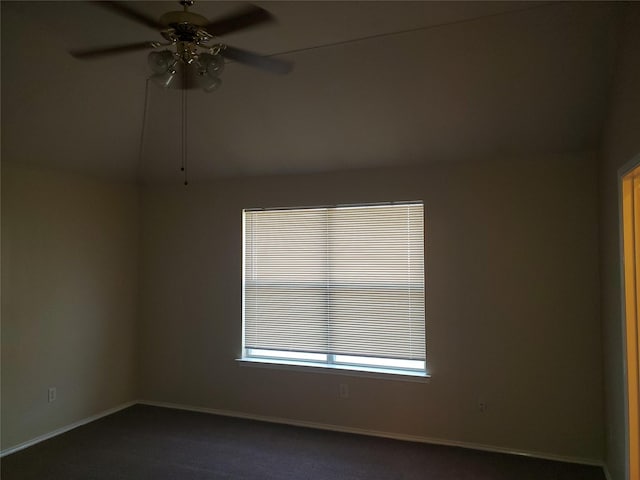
[(374, 433), (64, 429)]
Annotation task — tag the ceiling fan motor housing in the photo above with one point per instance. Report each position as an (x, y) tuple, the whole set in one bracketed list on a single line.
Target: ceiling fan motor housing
[(184, 27)]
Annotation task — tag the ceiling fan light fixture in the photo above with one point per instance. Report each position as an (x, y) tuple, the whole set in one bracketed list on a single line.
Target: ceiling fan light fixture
[(209, 84), (211, 65), (161, 62), (164, 80)]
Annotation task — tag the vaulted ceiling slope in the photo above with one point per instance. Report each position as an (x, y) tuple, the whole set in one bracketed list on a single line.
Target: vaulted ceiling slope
[(374, 84)]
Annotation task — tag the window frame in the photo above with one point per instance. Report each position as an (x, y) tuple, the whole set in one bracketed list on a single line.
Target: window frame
[(413, 370)]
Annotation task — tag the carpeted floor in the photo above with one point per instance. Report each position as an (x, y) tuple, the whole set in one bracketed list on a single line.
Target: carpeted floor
[(144, 442)]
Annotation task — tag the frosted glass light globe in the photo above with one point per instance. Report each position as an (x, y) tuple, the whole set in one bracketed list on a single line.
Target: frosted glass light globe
[(160, 62), (213, 65)]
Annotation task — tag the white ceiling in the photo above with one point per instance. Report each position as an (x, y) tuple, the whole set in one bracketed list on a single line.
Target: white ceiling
[(460, 80)]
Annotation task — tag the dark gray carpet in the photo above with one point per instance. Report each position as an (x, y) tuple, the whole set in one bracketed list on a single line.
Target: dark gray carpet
[(145, 442)]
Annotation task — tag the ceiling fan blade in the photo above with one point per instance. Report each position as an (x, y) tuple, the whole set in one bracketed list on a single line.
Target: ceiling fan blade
[(252, 59), (245, 17), (128, 12), (112, 50)]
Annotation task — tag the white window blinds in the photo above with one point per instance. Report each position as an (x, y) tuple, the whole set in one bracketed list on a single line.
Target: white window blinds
[(339, 281)]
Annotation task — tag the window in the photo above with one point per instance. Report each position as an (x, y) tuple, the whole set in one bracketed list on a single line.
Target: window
[(339, 287)]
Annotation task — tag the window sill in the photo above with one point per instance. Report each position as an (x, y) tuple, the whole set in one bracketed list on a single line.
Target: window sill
[(382, 373)]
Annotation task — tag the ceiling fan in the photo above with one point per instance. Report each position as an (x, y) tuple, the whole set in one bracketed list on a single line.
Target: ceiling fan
[(192, 55)]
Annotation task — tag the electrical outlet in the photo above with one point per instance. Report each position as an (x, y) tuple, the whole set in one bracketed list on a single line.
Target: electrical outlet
[(344, 390), (52, 394), (482, 406)]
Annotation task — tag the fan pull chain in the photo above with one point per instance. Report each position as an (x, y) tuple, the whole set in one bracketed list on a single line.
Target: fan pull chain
[(184, 129), (143, 131)]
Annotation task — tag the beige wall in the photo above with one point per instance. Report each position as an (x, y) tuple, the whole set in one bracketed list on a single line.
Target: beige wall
[(69, 291), (622, 143), (512, 304)]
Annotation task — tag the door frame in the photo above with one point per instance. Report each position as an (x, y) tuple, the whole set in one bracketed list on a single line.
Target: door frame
[(622, 173)]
